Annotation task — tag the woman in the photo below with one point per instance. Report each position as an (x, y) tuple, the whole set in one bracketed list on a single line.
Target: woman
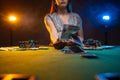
[(61, 15)]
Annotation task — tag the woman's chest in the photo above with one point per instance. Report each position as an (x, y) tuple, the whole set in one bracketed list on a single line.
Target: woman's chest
[(70, 20), (64, 18)]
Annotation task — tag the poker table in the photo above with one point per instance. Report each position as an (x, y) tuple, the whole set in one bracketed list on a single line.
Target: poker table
[(50, 64)]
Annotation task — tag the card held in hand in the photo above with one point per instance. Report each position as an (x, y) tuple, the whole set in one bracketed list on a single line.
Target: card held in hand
[(68, 30)]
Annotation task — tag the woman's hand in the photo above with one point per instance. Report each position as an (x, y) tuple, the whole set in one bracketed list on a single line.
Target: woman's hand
[(68, 42), (60, 44)]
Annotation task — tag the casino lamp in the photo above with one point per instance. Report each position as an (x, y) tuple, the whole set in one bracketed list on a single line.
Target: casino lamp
[(11, 19), (106, 18)]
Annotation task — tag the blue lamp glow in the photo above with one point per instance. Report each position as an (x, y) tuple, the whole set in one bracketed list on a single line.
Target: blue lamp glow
[(106, 17)]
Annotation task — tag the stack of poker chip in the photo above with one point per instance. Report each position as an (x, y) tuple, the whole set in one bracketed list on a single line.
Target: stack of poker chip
[(28, 44)]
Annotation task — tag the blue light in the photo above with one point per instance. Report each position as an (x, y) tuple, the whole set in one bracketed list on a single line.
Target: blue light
[(106, 17)]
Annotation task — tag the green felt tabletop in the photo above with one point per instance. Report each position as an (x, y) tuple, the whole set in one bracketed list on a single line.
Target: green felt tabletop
[(51, 64)]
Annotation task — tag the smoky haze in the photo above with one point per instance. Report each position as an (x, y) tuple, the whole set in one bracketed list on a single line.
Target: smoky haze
[(29, 24), (30, 20)]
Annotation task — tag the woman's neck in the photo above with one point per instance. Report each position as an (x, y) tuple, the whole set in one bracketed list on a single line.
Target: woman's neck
[(62, 11)]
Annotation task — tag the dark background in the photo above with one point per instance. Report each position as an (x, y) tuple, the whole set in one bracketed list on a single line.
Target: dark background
[(30, 23)]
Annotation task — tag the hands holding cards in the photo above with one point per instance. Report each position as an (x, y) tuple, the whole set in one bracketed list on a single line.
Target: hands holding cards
[(68, 30)]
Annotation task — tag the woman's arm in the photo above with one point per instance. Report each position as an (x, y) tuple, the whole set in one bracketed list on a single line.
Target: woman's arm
[(80, 32), (51, 29), (80, 35)]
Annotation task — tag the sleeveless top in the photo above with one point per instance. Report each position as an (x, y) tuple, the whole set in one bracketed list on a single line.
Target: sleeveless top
[(74, 19)]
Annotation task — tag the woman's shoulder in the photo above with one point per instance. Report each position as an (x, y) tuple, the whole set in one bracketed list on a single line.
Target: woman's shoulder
[(75, 14), (50, 15)]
